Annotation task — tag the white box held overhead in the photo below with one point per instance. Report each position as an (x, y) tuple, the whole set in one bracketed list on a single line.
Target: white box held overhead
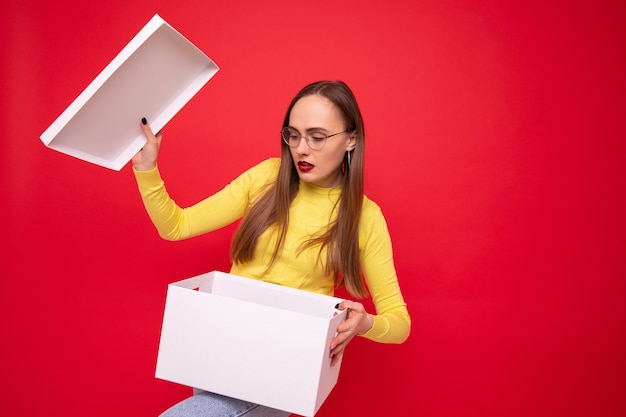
[(153, 76), (250, 340)]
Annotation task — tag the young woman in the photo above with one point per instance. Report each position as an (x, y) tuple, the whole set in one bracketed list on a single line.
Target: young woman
[(305, 224)]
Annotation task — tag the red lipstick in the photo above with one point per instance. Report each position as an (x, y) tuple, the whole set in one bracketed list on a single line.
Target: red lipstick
[(305, 166)]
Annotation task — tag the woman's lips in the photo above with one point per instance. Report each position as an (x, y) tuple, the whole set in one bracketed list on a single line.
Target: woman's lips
[(305, 166)]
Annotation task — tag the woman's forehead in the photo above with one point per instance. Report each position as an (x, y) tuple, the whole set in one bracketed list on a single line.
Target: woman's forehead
[(315, 111)]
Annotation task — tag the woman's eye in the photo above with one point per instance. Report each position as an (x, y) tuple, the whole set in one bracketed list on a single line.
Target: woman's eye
[(318, 138)]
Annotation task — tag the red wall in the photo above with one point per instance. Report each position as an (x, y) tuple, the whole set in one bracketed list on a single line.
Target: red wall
[(496, 147)]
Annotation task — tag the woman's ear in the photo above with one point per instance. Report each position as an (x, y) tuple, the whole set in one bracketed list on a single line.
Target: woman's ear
[(351, 142)]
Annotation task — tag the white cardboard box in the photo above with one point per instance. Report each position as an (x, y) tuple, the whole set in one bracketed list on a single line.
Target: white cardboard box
[(250, 340), (153, 76)]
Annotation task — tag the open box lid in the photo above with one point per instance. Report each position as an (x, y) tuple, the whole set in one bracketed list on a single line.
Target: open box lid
[(154, 76)]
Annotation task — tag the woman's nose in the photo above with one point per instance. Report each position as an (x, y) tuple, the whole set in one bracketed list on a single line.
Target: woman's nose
[(303, 146)]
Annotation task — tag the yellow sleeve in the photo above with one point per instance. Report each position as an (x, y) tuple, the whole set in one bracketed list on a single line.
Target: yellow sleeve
[(222, 208), (392, 323)]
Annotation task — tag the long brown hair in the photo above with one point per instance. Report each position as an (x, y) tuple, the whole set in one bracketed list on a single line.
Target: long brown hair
[(341, 240)]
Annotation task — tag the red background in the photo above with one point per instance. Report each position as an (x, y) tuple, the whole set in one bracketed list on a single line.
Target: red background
[(496, 147)]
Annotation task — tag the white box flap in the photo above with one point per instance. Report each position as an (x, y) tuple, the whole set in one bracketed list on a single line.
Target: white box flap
[(153, 76)]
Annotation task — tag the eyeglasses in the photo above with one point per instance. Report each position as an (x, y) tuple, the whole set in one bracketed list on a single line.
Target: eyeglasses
[(316, 141)]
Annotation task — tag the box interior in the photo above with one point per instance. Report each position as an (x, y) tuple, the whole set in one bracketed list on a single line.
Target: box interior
[(266, 294), (155, 81)]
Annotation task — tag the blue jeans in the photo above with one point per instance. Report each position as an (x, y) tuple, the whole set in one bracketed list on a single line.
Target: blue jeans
[(208, 404)]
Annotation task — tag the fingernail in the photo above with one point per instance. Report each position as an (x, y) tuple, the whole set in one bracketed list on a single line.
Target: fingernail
[(144, 121), (337, 306)]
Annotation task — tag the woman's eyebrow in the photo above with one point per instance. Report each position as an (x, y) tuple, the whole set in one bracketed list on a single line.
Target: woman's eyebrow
[(311, 129), (316, 129)]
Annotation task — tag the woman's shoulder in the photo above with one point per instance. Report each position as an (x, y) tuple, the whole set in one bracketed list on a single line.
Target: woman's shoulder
[(264, 171), (268, 167), (372, 224), (370, 207), (256, 179)]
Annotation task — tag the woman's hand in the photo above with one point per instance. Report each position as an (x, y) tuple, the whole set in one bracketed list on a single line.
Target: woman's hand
[(146, 158), (357, 323)]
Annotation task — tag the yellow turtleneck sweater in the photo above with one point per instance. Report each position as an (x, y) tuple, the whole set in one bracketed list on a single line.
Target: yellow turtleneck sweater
[(310, 212)]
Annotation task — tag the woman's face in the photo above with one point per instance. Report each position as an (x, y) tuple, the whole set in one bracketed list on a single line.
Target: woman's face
[(315, 115)]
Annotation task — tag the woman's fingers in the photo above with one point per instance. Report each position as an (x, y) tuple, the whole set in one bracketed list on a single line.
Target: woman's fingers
[(358, 321), (146, 158)]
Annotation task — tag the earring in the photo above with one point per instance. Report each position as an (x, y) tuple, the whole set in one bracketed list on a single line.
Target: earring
[(345, 165)]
